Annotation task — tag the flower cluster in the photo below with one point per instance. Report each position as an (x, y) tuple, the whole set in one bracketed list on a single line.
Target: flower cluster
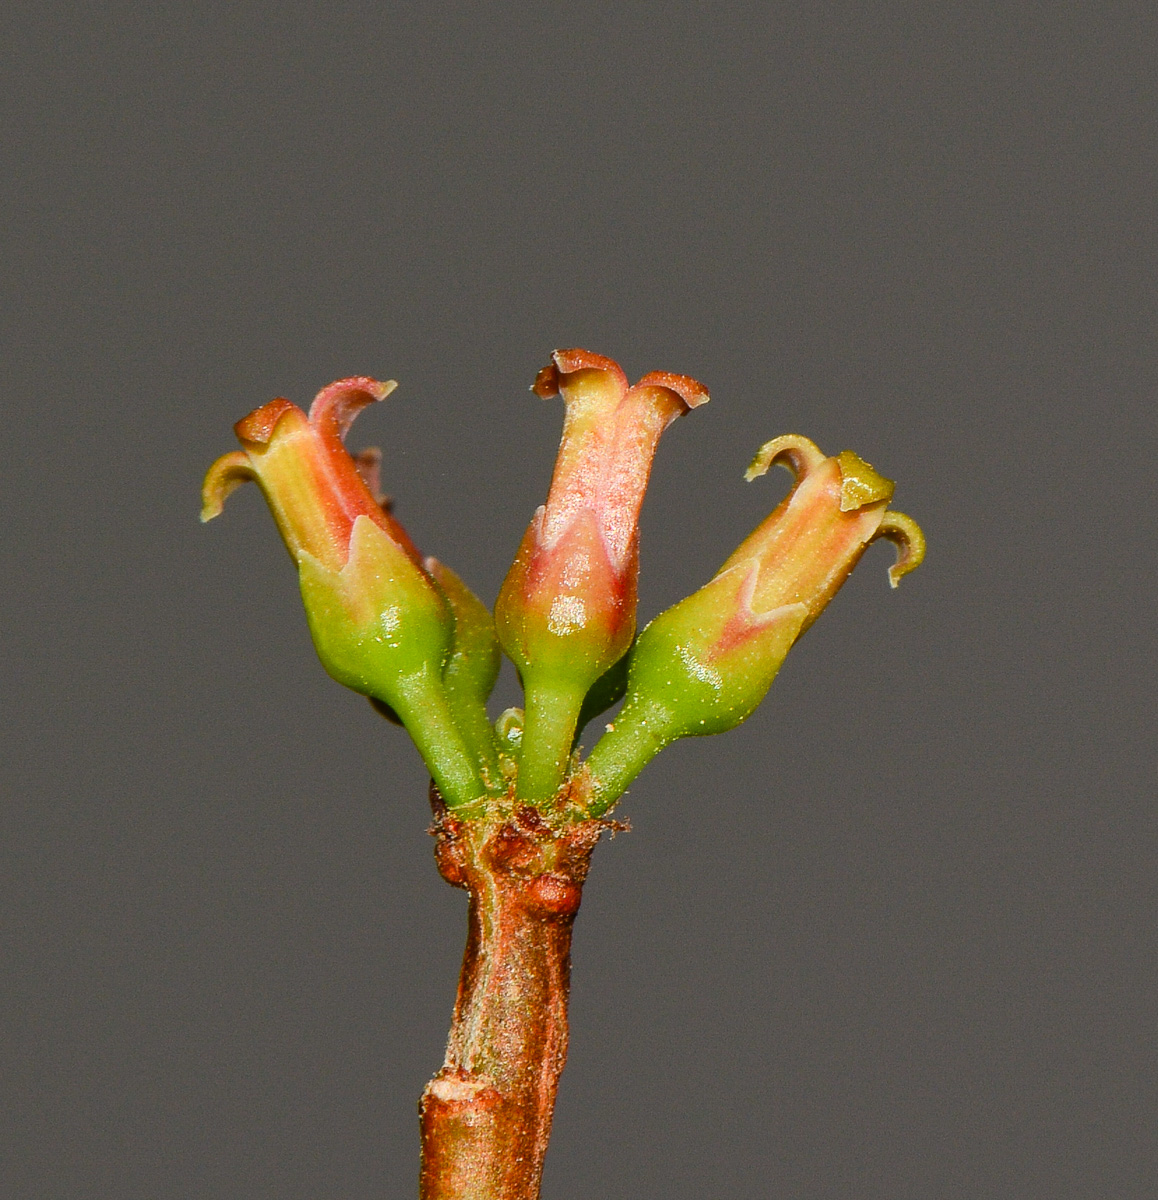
[(408, 633)]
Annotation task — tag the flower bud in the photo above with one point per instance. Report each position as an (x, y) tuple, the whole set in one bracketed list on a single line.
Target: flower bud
[(704, 665), (473, 667), (380, 623), (566, 611)]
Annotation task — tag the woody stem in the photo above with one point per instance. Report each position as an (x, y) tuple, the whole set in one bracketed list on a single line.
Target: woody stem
[(486, 1116)]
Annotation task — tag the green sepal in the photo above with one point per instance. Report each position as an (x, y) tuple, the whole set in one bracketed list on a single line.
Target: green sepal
[(699, 668), (377, 619), (708, 688), (382, 628)]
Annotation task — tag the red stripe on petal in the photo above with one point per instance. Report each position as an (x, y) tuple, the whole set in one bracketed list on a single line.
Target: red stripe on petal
[(335, 407)]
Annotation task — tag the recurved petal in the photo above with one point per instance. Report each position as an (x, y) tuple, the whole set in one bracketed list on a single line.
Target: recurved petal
[(546, 383), (226, 475), (792, 450), (690, 391), (569, 369), (335, 407), (576, 359), (257, 428), (906, 535)]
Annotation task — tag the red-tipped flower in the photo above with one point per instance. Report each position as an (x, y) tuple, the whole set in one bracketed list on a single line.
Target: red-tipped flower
[(566, 612), (703, 665), (380, 623), (314, 487)]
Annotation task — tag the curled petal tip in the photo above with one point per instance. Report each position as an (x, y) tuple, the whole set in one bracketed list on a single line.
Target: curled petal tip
[(257, 428), (861, 483), (335, 407), (689, 390), (906, 535), (792, 450), (546, 382), (584, 360), (227, 474), (550, 380)]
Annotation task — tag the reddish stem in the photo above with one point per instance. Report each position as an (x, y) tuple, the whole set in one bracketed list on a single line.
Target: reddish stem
[(486, 1116)]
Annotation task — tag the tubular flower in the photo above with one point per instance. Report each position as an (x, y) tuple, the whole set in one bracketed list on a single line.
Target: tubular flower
[(566, 612), (704, 665), (380, 623)]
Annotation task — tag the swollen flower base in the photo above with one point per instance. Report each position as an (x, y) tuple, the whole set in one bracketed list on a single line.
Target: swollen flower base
[(518, 810)]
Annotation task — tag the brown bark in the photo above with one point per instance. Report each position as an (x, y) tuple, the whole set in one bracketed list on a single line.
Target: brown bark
[(486, 1116)]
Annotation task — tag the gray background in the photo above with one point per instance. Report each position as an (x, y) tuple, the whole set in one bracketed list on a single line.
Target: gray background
[(894, 938)]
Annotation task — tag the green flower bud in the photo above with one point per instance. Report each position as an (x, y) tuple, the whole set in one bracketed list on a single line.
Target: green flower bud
[(472, 669), (380, 623), (566, 612), (704, 665)]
